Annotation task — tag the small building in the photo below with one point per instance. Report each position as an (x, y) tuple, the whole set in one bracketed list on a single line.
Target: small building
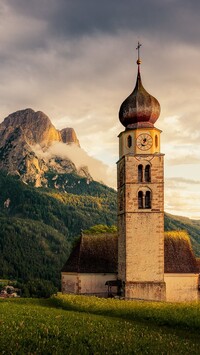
[(92, 267), (181, 268), (92, 263)]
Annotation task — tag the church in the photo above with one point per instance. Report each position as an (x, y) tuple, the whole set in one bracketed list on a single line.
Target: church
[(137, 263)]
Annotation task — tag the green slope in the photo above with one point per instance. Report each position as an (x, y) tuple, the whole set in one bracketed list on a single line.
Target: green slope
[(38, 226), (31, 250), (88, 325), (66, 212)]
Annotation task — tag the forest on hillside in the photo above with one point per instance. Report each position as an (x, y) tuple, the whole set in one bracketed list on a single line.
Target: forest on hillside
[(38, 226)]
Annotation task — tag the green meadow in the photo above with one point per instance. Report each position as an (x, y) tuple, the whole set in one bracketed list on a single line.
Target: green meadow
[(89, 325)]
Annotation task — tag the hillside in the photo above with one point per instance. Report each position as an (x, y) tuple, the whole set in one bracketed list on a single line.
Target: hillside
[(37, 227), (184, 223)]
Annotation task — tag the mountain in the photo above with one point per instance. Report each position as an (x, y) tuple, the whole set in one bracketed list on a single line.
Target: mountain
[(38, 225), (25, 139)]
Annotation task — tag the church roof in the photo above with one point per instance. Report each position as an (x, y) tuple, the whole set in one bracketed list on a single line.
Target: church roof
[(179, 256), (139, 109), (94, 254), (98, 253)]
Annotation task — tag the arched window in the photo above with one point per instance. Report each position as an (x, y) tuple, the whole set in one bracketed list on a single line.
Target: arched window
[(121, 200), (147, 173), (156, 141), (140, 199), (148, 199), (140, 173), (129, 141)]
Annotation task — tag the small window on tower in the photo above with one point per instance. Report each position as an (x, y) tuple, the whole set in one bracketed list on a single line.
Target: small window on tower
[(129, 141), (140, 173), (147, 173), (148, 199), (156, 141), (140, 199)]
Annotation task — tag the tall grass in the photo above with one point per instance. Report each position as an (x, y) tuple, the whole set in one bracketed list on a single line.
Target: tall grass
[(181, 315), (76, 325)]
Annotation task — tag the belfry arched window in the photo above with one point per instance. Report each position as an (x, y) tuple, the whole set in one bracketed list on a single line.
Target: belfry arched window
[(140, 199), (144, 198), (147, 173), (140, 173), (129, 141), (156, 141), (148, 199)]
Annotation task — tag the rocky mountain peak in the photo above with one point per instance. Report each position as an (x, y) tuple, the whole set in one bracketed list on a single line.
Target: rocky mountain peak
[(68, 136), (35, 126), (24, 130)]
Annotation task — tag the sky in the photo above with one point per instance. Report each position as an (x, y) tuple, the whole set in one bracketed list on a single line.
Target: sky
[(76, 61)]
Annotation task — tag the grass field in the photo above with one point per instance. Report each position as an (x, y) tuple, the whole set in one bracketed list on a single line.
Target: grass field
[(88, 325)]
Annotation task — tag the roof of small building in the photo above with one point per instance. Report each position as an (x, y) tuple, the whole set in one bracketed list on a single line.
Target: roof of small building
[(98, 253), (95, 253), (179, 256)]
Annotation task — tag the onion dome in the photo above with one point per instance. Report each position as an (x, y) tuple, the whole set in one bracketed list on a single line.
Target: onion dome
[(140, 109)]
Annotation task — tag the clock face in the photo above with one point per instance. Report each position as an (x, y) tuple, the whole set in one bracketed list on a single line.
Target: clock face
[(144, 141)]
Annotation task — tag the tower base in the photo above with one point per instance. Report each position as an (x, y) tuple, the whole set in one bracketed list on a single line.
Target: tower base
[(149, 291)]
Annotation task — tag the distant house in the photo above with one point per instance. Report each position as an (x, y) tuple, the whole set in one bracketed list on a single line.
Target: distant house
[(92, 267), (9, 292)]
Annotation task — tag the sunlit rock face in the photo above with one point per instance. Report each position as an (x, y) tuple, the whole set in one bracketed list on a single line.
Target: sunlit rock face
[(26, 137), (34, 127), (68, 136)]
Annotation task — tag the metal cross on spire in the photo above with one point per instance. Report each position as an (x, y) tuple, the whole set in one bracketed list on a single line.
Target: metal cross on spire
[(138, 49)]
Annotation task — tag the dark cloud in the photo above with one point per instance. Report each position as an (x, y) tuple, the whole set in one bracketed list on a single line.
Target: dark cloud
[(75, 60), (71, 18)]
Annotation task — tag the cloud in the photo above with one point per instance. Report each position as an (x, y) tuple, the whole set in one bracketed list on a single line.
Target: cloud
[(182, 202), (75, 61), (98, 170), (172, 18), (182, 196), (186, 160), (174, 181)]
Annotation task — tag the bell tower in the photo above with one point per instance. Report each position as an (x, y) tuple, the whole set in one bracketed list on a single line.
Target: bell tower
[(140, 182)]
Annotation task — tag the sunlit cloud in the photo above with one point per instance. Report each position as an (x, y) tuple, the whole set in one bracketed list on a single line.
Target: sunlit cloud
[(98, 170)]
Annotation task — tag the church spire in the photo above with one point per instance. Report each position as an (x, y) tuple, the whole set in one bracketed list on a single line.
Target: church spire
[(140, 109), (138, 60)]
